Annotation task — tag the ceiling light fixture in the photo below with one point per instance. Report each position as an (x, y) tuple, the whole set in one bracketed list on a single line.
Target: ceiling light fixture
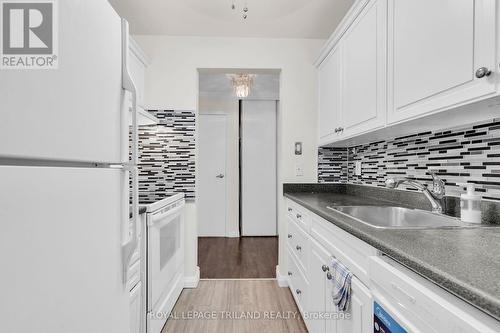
[(245, 9), (242, 84)]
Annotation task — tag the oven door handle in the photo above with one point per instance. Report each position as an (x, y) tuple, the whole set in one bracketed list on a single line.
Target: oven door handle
[(158, 219)]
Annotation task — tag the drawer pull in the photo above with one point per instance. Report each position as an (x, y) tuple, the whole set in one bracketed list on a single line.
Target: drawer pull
[(325, 268), (299, 216), (399, 289), (290, 209), (289, 235), (290, 273), (329, 276), (299, 248), (298, 291)]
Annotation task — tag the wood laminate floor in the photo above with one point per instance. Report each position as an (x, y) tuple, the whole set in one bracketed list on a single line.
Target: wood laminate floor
[(237, 258), (229, 305)]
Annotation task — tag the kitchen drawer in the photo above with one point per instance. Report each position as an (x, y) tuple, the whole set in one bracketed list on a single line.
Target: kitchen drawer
[(353, 252), (297, 281), (298, 214), (298, 243), (427, 304)]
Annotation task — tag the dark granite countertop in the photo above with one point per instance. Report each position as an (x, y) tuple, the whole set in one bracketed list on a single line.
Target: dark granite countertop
[(466, 262)]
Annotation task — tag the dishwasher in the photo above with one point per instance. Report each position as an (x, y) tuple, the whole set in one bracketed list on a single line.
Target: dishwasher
[(404, 301)]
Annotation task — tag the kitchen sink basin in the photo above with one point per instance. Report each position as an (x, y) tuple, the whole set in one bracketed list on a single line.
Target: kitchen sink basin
[(399, 218)]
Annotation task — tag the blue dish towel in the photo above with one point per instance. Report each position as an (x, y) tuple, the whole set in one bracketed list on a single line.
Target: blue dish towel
[(341, 280)]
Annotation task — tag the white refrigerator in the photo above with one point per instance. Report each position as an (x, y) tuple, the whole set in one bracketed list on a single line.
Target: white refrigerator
[(65, 236)]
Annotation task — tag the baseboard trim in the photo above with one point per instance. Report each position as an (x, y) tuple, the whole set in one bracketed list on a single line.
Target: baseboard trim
[(282, 280), (191, 282)]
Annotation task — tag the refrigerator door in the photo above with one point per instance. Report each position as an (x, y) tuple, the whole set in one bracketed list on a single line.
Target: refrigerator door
[(60, 250), (75, 112)]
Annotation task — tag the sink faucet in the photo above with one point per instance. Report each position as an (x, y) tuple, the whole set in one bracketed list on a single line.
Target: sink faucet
[(435, 195)]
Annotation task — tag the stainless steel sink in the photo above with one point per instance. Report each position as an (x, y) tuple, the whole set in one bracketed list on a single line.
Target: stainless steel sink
[(398, 217)]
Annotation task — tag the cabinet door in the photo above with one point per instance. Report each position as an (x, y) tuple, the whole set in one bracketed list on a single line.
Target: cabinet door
[(435, 49), (364, 71), (329, 97), (318, 288), (360, 320)]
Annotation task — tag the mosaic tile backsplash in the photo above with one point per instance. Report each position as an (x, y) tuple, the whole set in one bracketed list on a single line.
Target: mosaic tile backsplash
[(167, 156), (459, 155)]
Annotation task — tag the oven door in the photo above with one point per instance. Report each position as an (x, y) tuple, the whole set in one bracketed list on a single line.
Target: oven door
[(165, 252)]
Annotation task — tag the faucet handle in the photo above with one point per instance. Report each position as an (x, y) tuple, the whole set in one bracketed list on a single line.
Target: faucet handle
[(438, 185), (390, 183)]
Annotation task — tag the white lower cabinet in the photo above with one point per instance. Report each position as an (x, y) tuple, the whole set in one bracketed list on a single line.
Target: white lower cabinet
[(308, 270), (322, 315), (360, 314), (319, 294), (415, 303)]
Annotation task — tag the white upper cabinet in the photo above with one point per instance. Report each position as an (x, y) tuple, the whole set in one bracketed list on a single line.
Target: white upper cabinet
[(329, 96), (364, 71), (437, 50), (390, 62)]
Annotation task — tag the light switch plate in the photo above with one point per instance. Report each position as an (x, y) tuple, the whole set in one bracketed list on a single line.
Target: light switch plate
[(357, 169)]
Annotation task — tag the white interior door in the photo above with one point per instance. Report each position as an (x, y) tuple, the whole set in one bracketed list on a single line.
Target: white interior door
[(258, 168), (211, 189)]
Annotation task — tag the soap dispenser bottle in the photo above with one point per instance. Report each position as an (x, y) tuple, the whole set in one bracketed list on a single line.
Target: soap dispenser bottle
[(470, 205)]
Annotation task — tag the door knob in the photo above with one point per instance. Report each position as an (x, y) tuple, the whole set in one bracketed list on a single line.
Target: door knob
[(482, 72), (325, 268), (220, 176), (329, 276)]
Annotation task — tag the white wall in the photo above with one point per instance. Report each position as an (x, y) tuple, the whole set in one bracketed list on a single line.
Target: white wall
[(172, 82)]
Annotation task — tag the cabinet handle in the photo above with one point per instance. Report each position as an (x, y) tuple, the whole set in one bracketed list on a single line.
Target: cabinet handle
[(341, 129), (290, 273), (482, 72), (325, 268), (298, 291), (329, 276), (289, 209), (299, 248), (289, 235), (299, 216), (336, 130)]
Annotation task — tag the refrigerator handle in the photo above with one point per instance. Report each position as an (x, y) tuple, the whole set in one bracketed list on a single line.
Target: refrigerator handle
[(128, 84)]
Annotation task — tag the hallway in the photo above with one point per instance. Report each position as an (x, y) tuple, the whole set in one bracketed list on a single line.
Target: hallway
[(237, 258)]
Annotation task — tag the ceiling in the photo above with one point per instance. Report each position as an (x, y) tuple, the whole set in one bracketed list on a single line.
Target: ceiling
[(215, 84), (266, 18)]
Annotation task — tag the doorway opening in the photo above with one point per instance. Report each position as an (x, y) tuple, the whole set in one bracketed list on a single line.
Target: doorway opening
[(237, 174)]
